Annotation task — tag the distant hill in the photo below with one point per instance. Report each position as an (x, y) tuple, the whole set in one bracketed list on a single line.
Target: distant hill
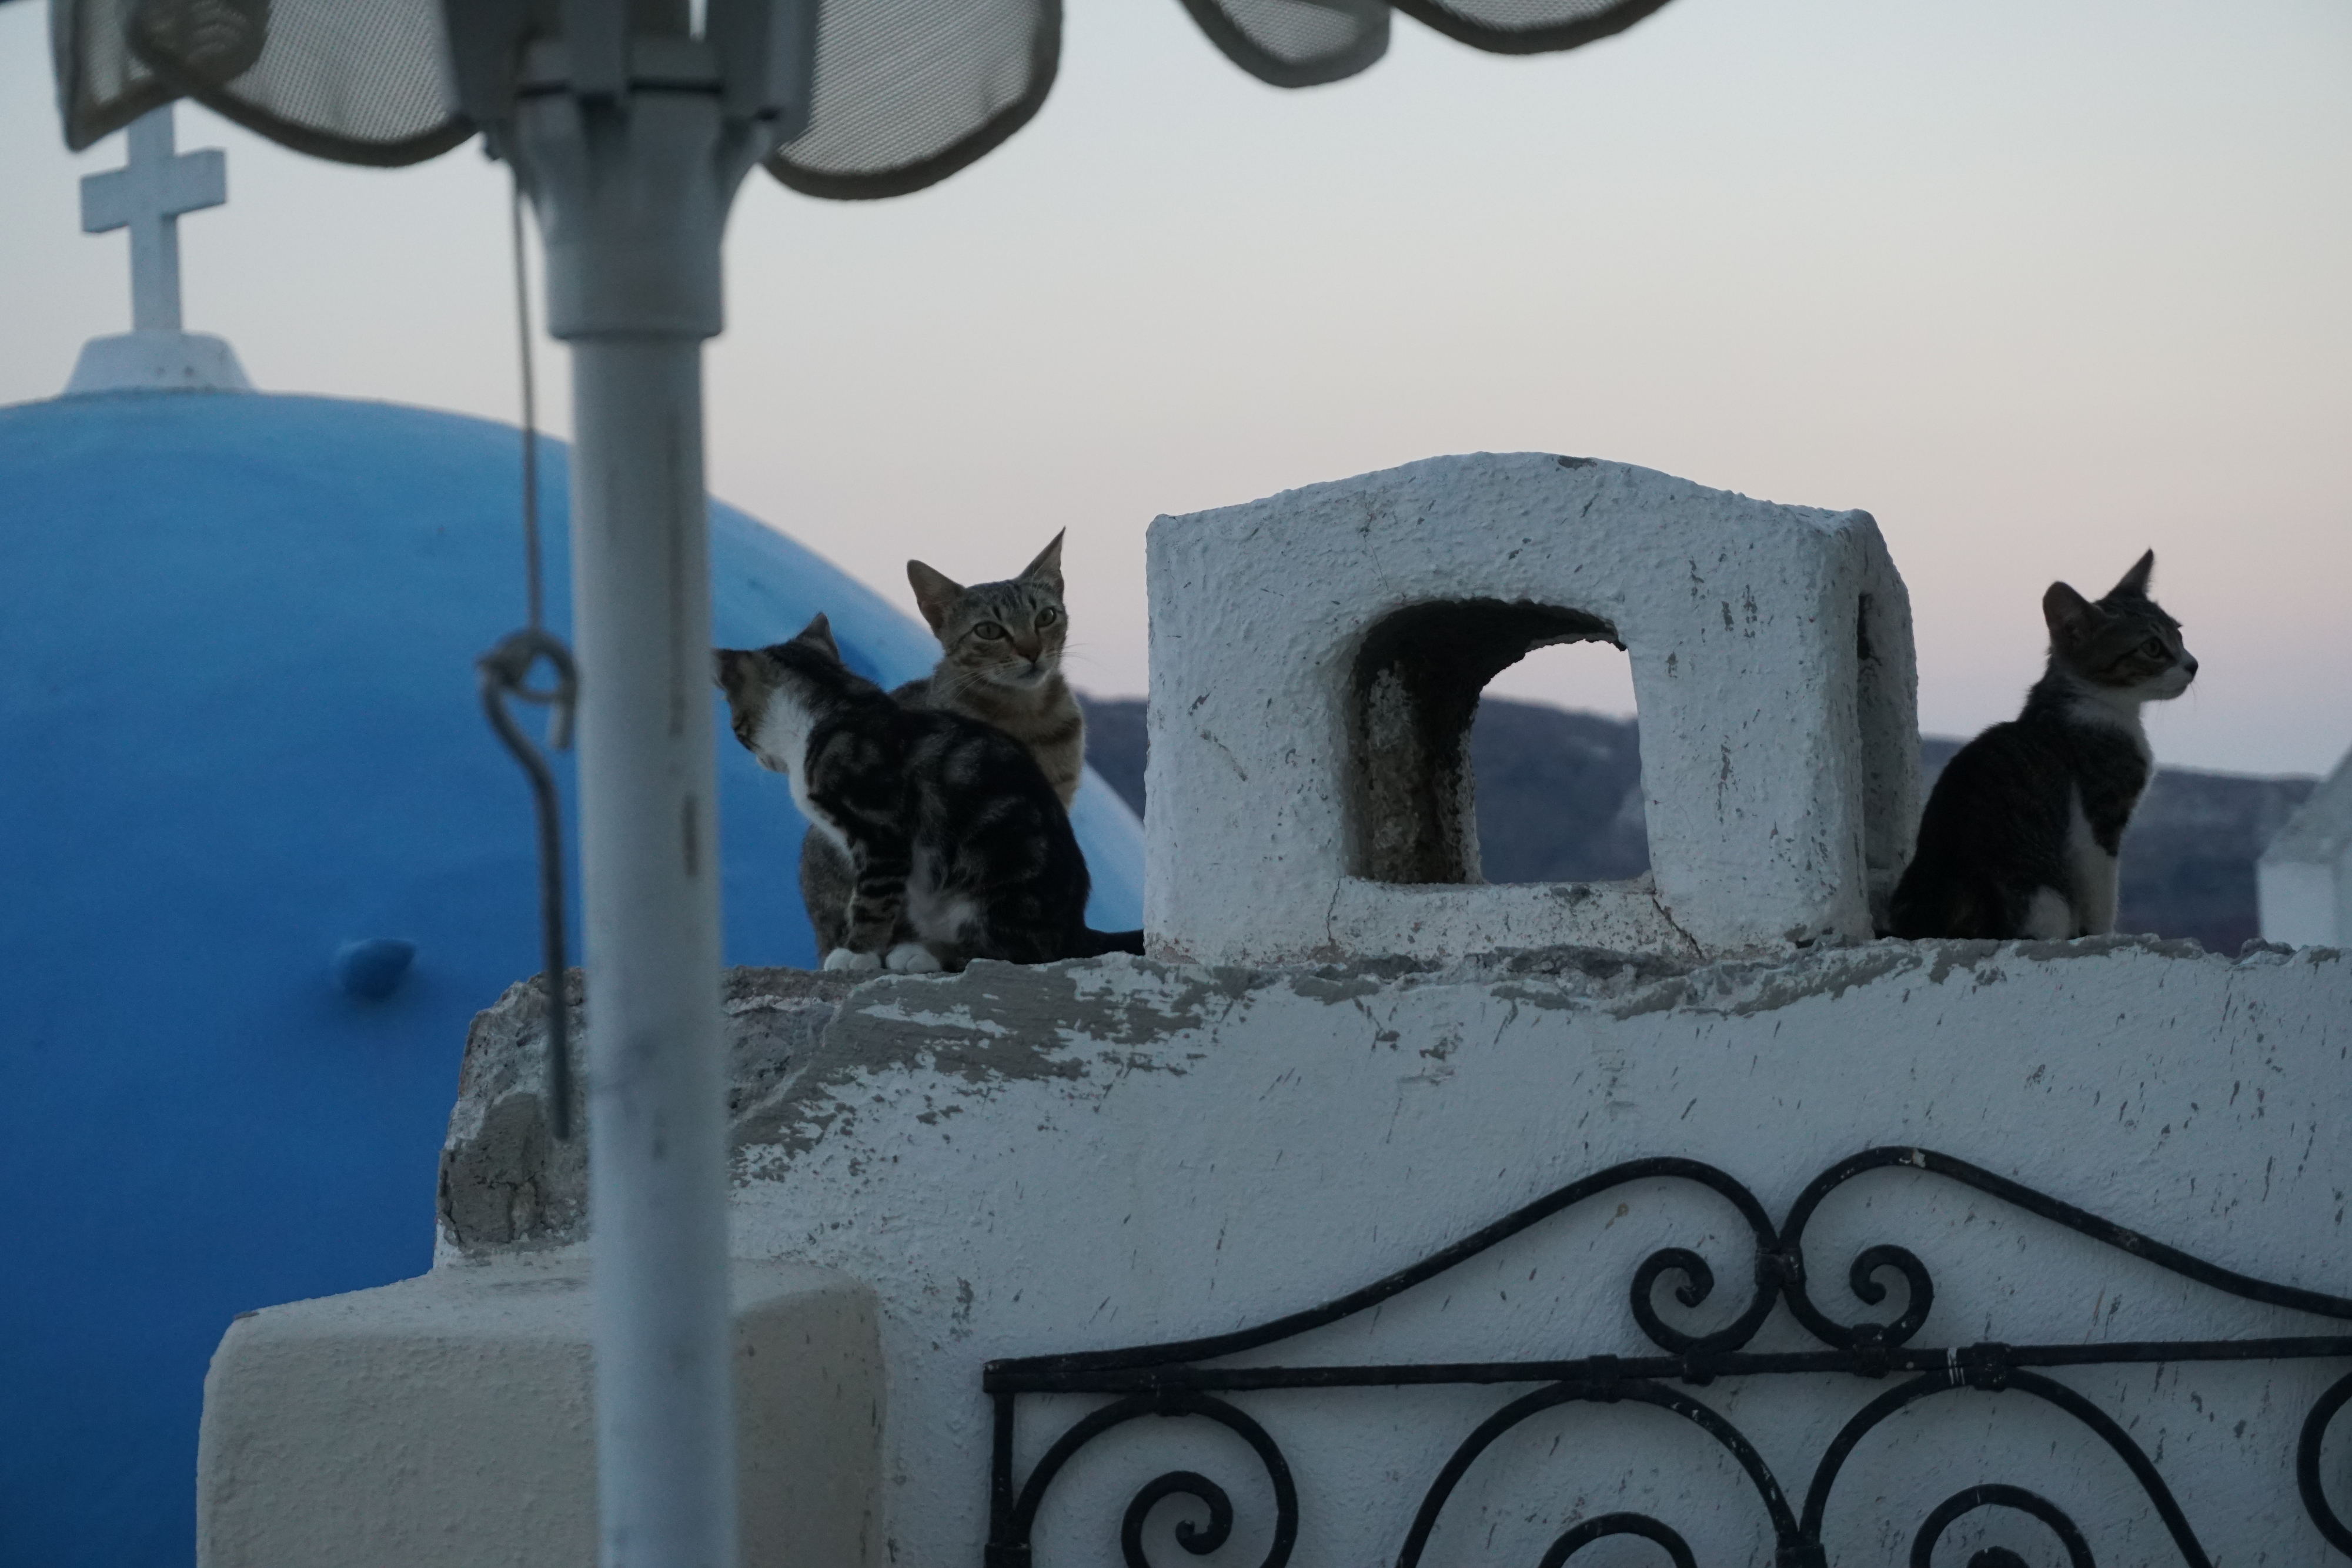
[(1559, 800)]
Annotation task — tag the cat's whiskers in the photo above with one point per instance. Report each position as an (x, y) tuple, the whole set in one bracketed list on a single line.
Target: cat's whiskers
[(950, 686)]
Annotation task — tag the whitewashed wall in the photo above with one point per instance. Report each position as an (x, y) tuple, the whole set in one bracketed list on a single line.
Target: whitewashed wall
[(1119, 1153), (1024, 1162), (1771, 657)]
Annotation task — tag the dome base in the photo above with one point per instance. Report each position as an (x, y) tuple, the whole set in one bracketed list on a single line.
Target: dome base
[(157, 362)]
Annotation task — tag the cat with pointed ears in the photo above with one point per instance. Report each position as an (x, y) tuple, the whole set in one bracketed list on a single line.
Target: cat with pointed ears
[(1000, 663), (2021, 835), (1000, 660), (959, 847)]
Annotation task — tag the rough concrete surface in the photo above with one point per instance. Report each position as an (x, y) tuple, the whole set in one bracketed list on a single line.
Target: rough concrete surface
[(1120, 1152), (507, 1182), (1317, 658)]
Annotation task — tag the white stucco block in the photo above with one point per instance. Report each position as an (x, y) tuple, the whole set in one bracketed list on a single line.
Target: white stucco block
[(2304, 878), (2298, 902), (1315, 658), (157, 360), (447, 1422)]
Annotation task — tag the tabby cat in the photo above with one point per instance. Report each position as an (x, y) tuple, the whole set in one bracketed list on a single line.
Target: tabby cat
[(1001, 660), (1000, 663), (2022, 830), (959, 848)]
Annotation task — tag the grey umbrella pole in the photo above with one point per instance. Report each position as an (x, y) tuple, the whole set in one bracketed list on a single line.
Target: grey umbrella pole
[(632, 199)]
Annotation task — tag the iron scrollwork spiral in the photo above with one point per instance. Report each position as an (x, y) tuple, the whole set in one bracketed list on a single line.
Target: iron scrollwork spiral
[(2324, 1410), (1863, 1274), (1184, 1378), (1606, 1387), (1602, 1526), (1698, 1279), (1991, 1373), (1948, 1512), (1195, 1538)]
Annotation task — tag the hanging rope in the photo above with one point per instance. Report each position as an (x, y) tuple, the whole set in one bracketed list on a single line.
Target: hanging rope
[(505, 673), (530, 412)]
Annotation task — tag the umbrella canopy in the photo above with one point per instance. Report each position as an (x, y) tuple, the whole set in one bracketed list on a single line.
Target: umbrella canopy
[(904, 92)]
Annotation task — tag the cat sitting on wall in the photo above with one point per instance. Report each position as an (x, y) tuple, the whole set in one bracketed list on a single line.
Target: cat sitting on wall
[(1000, 663), (1001, 660), (957, 846), (2020, 835)]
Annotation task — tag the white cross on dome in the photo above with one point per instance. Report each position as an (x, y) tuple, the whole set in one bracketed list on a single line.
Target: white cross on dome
[(148, 195)]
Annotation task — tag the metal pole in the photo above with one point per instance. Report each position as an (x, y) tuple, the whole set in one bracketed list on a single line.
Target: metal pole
[(657, 1196), (631, 197)]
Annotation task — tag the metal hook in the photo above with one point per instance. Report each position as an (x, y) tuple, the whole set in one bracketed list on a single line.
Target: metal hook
[(505, 673)]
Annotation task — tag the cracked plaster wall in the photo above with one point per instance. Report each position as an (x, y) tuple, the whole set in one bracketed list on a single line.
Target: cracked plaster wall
[(1317, 657), (1122, 1152)]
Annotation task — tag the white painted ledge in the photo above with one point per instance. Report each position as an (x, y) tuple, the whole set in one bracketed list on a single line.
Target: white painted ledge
[(1437, 921), (157, 362), (447, 1422)]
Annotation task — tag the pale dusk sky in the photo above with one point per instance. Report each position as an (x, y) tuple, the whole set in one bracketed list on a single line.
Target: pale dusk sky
[(2039, 286)]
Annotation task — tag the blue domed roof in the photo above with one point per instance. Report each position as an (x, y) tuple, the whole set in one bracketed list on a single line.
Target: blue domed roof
[(239, 733)]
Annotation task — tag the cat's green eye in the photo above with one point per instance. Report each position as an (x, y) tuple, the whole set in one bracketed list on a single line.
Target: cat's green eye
[(2154, 647), (988, 631), (1047, 616)]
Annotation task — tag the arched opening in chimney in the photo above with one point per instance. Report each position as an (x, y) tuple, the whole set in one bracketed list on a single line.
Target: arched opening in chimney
[(1417, 676), (1557, 750)]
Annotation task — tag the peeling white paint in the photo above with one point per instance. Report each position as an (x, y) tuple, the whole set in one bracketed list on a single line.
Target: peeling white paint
[(1024, 1161), (1276, 1138)]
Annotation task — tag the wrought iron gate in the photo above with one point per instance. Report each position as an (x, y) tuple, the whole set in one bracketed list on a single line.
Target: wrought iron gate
[(1177, 1380)]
